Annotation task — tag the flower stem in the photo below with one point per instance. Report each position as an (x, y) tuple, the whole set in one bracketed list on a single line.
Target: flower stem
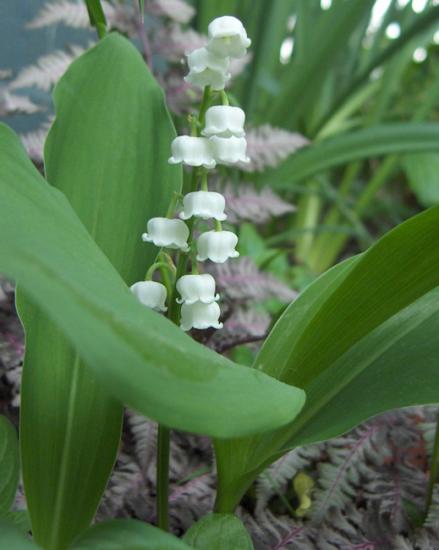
[(163, 438), (434, 469), (163, 445), (173, 205), (224, 98), (218, 226), (204, 105), (204, 186), (154, 267)]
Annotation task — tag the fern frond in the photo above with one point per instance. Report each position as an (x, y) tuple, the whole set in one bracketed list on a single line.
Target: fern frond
[(267, 147), (47, 70), (339, 477), (258, 206), (70, 13), (242, 281), (34, 141), (5, 74), (126, 482), (14, 103), (144, 434), (177, 10)]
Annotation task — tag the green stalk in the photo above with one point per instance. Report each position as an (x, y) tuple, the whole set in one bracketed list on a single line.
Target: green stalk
[(163, 445), (434, 470), (97, 17), (308, 212), (327, 246), (164, 433)]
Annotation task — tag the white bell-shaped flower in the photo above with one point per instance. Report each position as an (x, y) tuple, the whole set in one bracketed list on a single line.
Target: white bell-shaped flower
[(224, 121), (193, 151), (229, 150), (204, 204), (167, 233), (227, 37), (200, 316), (217, 246), (207, 69), (150, 294), (197, 288)]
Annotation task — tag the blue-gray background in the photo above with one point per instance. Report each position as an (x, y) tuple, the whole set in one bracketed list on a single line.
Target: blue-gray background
[(20, 47)]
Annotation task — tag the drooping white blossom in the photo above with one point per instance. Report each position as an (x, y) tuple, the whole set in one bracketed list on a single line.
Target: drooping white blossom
[(207, 69), (227, 37), (200, 316), (150, 294), (167, 233), (193, 151), (229, 150), (217, 246), (204, 204), (197, 288), (224, 121)]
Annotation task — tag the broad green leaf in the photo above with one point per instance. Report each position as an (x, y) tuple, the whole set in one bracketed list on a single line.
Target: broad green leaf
[(364, 143), (11, 538), (359, 341), (127, 534), (106, 150), (219, 532), (149, 363), (422, 172), (9, 464)]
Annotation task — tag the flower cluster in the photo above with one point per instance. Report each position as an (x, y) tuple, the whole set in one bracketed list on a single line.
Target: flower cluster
[(217, 137)]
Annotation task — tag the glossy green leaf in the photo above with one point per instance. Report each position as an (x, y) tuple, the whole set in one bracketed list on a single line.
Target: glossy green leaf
[(127, 534), (107, 148), (219, 532), (9, 464), (12, 539), (359, 341), (422, 172), (143, 358), (360, 144)]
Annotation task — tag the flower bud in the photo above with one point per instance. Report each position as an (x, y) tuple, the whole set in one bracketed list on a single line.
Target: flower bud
[(217, 246), (150, 294), (224, 121), (204, 204), (193, 151), (207, 69), (229, 150), (167, 233), (200, 316), (197, 288), (227, 37)]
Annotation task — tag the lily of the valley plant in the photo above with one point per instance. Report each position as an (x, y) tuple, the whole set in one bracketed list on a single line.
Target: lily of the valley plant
[(108, 256)]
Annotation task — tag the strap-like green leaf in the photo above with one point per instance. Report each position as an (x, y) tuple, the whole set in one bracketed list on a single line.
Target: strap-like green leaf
[(219, 532), (359, 341), (9, 464), (381, 140), (127, 534)]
